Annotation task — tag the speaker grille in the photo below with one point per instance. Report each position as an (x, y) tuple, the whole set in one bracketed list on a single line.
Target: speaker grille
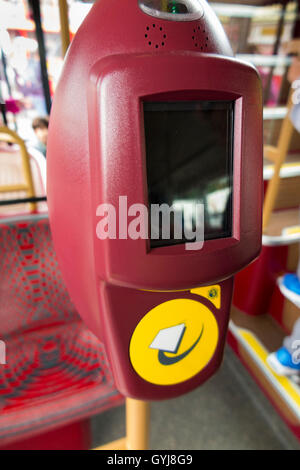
[(155, 36), (200, 38)]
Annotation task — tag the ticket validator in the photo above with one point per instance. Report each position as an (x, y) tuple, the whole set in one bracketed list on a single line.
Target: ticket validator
[(153, 110)]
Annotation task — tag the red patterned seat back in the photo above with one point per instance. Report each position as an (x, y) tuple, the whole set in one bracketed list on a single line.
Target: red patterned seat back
[(32, 291)]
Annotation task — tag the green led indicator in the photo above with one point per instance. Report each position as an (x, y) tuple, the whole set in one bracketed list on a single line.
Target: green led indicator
[(174, 7)]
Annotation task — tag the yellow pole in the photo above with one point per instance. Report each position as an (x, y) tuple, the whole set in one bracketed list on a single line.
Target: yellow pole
[(285, 137), (165, 5), (64, 26), (278, 154), (137, 428), (137, 424)]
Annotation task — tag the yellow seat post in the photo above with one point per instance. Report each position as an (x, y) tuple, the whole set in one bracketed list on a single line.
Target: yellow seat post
[(278, 154), (137, 428), (7, 135)]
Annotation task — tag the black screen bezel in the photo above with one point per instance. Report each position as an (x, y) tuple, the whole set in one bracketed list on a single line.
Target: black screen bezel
[(156, 243)]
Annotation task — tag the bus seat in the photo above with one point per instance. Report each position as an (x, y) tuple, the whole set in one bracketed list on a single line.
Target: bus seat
[(56, 371)]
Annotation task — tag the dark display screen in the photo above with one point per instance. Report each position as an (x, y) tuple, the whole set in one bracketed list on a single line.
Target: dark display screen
[(189, 154)]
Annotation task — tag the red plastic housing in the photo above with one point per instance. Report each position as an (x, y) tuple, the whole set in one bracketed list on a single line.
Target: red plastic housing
[(117, 87), (96, 152)]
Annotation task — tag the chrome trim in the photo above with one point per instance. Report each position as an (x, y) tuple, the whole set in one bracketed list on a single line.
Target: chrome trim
[(23, 218), (278, 112), (279, 240), (235, 330), (287, 171)]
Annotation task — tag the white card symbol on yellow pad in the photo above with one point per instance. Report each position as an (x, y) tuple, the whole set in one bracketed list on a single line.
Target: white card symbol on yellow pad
[(168, 339)]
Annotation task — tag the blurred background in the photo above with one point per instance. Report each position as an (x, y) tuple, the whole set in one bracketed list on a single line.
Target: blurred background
[(71, 377), (259, 32)]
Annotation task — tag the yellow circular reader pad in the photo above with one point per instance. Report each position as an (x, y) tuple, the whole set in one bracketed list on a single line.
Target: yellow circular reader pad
[(173, 342)]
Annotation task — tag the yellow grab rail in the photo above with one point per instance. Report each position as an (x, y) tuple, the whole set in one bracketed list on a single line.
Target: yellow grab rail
[(278, 154), (64, 26), (7, 135)]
